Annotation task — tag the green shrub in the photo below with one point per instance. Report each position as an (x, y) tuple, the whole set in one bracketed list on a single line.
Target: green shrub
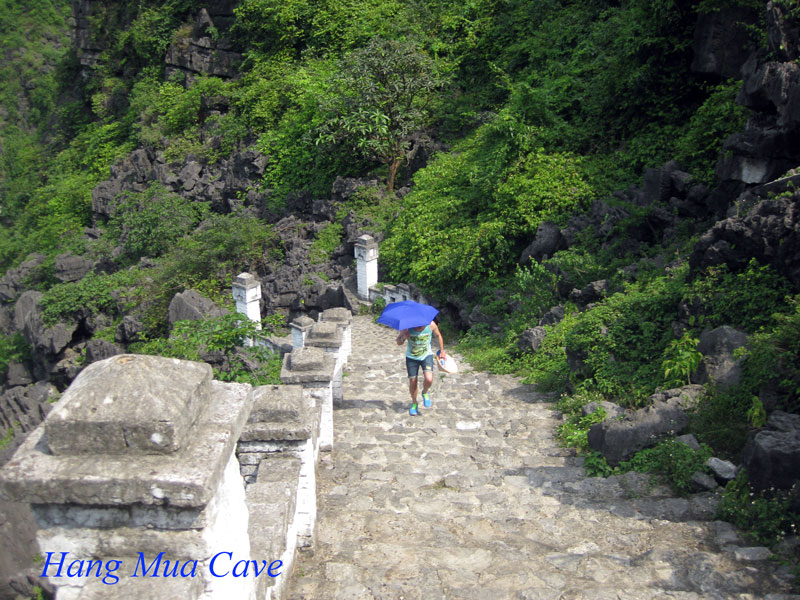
[(622, 339), (225, 334), (674, 461), (12, 348), (748, 298), (471, 210), (327, 240), (681, 358), (765, 517), (717, 118), (111, 294), (151, 222)]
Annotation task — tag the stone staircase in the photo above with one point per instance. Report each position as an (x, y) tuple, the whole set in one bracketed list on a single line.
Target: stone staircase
[(474, 499)]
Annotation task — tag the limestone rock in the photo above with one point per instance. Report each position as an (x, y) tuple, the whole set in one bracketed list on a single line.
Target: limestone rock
[(553, 316), (531, 339), (769, 232), (191, 306), (723, 470), (592, 292), (24, 407), (722, 42), (772, 456), (17, 374), (783, 34), (719, 365), (613, 411), (13, 282), (28, 320), (618, 440), (546, 242), (100, 350), (71, 268), (128, 331)]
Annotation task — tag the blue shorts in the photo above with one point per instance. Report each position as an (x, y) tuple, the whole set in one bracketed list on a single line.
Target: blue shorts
[(413, 365)]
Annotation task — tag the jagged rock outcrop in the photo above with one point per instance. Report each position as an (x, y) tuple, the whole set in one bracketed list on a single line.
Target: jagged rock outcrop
[(719, 366), (225, 185), (71, 268), (772, 456), (13, 282), (22, 408), (666, 414), (202, 53), (769, 232), (531, 339), (546, 242), (191, 306), (46, 341), (770, 144), (722, 41)]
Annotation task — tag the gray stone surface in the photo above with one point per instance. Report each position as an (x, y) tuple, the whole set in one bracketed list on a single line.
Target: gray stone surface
[(307, 365), (129, 404), (280, 412), (339, 315), (665, 415), (723, 470), (191, 306), (71, 268), (719, 365), (420, 509), (46, 340), (186, 478), (772, 456), (325, 334)]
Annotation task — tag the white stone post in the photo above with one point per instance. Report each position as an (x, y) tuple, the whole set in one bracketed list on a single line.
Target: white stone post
[(327, 336), (300, 328), (313, 369), (366, 251), (137, 461), (343, 319), (247, 294)]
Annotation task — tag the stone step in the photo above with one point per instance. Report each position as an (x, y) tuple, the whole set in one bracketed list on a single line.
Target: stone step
[(476, 499)]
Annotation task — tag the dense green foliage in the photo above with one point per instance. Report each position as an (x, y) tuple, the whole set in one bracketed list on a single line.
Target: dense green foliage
[(226, 335), (543, 107)]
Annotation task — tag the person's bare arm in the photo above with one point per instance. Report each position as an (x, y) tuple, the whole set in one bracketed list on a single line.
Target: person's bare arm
[(402, 337), (435, 329)]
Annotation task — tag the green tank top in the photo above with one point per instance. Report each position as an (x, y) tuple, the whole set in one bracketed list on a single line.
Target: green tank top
[(419, 343)]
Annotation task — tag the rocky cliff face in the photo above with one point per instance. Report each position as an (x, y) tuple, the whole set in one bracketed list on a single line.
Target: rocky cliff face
[(770, 145)]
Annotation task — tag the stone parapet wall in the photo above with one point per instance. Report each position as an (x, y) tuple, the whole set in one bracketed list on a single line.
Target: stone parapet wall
[(146, 465)]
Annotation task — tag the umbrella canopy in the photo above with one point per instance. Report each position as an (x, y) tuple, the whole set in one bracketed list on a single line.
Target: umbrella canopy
[(406, 314)]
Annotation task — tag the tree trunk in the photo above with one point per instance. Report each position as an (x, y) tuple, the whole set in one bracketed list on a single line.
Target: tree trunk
[(393, 166)]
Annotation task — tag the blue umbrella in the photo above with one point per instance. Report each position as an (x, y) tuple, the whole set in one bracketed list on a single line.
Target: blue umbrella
[(406, 314)]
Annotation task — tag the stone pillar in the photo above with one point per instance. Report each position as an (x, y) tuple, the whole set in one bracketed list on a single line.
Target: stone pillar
[(134, 469), (300, 327), (313, 369), (247, 294), (276, 458), (327, 336), (343, 319), (366, 251)]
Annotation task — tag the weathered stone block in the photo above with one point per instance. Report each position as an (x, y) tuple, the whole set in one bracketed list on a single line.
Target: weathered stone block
[(129, 404), (186, 478), (325, 334), (305, 365)]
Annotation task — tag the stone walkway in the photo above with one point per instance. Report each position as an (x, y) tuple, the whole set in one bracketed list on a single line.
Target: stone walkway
[(474, 499)]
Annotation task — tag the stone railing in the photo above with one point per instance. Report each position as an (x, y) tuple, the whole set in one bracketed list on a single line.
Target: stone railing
[(149, 479), (369, 290)]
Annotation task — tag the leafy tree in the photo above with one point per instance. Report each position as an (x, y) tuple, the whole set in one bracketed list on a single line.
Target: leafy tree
[(379, 98)]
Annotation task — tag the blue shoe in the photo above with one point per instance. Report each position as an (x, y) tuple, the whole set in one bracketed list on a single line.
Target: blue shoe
[(413, 410), (426, 400)]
